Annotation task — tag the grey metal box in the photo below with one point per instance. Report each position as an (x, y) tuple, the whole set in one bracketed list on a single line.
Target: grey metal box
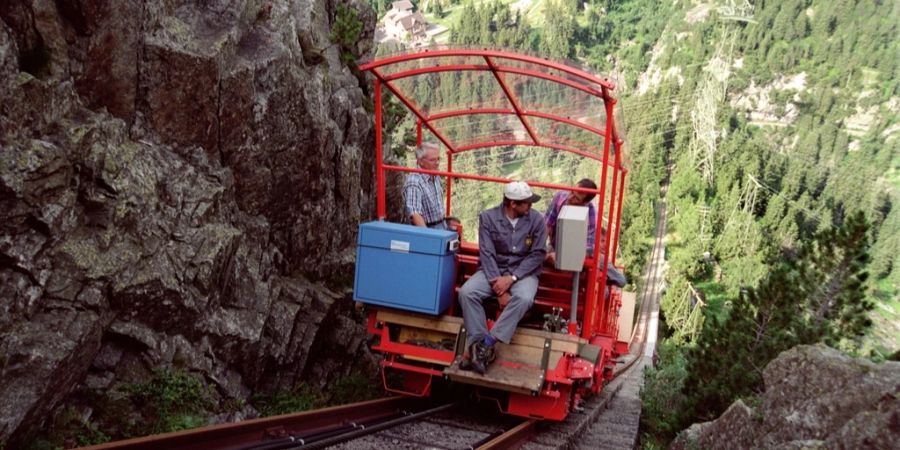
[(571, 237)]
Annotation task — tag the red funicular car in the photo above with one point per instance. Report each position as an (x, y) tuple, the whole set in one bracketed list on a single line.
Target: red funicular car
[(520, 102)]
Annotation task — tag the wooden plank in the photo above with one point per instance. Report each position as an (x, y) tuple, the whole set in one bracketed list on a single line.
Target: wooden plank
[(503, 375), (546, 334), (527, 355), (517, 369), (526, 337), (426, 360), (446, 324), (427, 338), (535, 338), (435, 339), (534, 342), (626, 316)]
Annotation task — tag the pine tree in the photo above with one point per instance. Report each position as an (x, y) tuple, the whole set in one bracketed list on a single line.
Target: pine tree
[(817, 297), (833, 268)]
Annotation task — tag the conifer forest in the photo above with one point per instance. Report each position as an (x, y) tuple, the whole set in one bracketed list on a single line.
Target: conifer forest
[(774, 125)]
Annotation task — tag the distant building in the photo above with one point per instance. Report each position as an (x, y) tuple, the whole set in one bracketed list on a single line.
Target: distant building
[(402, 23), (402, 5)]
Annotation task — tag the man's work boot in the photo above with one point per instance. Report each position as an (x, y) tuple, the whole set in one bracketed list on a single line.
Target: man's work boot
[(467, 358), (482, 357)]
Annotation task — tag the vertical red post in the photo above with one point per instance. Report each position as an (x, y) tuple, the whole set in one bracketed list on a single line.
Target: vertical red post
[(449, 182), (612, 205), (613, 201), (615, 249), (379, 154), (600, 266), (606, 313)]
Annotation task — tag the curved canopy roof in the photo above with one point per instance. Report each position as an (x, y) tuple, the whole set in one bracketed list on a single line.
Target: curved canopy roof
[(478, 98)]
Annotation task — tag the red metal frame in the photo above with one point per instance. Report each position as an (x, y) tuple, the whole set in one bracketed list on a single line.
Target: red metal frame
[(528, 144), (597, 313), (486, 52), (512, 100)]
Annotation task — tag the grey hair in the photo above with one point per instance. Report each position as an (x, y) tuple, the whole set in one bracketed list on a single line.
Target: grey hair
[(420, 150)]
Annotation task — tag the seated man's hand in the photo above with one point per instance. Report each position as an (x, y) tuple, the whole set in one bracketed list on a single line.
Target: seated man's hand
[(503, 299), (551, 257), (501, 284)]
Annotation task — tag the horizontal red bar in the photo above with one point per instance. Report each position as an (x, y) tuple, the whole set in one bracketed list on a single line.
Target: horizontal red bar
[(502, 69), (416, 351), (411, 368), (485, 52), (553, 117), (440, 173)]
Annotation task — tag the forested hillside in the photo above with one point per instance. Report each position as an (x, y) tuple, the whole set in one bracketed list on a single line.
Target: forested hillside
[(785, 225), (777, 126)]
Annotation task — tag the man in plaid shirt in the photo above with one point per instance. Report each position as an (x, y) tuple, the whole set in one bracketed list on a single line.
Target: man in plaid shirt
[(423, 193)]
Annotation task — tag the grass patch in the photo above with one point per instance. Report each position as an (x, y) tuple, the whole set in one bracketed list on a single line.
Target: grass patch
[(885, 335), (171, 400), (893, 173), (284, 401), (303, 397), (453, 13), (354, 388)]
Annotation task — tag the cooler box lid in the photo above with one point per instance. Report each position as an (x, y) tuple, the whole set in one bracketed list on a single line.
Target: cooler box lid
[(398, 237)]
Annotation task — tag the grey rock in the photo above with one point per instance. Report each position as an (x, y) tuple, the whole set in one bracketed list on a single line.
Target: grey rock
[(42, 359), (815, 397), (178, 179)]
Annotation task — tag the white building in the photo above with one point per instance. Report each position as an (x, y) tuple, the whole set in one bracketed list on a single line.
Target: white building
[(402, 23)]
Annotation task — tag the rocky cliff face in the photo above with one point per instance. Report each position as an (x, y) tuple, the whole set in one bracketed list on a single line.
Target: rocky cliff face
[(816, 397), (173, 174)]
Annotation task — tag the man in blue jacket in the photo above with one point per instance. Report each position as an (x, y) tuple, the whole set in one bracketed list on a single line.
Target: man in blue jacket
[(512, 241)]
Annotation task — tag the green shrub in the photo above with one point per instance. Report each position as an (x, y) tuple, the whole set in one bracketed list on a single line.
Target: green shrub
[(345, 32), (354, 388), (285, 401), (661, 397), (172, 400)]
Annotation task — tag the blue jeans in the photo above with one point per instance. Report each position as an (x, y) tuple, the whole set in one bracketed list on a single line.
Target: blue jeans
[(472, 296)]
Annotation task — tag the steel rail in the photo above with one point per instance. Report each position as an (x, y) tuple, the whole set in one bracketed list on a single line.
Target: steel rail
[(513, 438), (302, 439), (231, 435)]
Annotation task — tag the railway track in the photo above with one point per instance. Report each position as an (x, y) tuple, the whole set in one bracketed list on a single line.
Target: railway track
[(459, 428), (395, 422)]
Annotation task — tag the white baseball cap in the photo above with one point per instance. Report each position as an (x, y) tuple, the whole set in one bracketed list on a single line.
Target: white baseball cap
[(520, 191)]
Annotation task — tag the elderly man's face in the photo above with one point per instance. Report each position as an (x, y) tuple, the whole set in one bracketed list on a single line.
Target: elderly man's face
[(431, 159)]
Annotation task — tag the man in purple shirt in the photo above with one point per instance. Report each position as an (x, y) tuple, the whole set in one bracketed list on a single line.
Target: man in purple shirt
[(563, 198)]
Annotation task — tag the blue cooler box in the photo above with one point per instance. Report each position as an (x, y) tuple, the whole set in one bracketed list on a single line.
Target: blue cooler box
[(405, 267)]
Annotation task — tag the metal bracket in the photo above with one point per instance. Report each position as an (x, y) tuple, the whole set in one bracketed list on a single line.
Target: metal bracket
[(461, 342), (545, 359), (589, 352)]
